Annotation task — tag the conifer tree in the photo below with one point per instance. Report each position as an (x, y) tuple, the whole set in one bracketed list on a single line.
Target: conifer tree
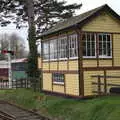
[(40, 16)]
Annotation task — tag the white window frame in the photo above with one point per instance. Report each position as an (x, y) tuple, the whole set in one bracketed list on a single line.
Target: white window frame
[(53, 49), (62, 48), (90, 45), (44, 49), (73, 46), (105, 56), (58, 82)]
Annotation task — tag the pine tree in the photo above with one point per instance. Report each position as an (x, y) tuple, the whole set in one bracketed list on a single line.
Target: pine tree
[(40, 15)]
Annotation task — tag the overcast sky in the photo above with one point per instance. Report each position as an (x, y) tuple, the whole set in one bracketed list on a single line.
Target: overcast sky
[(87, 5)]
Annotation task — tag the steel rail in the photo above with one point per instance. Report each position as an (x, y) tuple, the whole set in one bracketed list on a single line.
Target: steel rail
[(6, 116)]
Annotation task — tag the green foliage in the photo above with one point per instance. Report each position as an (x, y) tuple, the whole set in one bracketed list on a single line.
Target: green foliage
[(104, 108)]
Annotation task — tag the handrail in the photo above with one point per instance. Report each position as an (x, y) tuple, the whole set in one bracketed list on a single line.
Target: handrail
[(101, 76)]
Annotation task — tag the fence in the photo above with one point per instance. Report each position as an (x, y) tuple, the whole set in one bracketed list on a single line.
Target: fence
[(103, 84), (21, 83)]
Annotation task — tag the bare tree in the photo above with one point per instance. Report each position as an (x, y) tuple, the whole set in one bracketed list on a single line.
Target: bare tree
[(17, 45)]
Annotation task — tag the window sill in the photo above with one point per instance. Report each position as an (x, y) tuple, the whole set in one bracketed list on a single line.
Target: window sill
[(75, 58), (58, 83)]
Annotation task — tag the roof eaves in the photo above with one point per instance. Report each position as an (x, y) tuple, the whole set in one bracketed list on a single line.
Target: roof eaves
[(85, 19)]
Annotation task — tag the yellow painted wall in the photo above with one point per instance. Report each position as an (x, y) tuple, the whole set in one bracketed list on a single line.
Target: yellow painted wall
[(72, 84), (73, 65), (113, 80), (58, 88), (88, 87), (89, 63), (103, 23), (45, 66), (47, 81), (53, 65), (105, 63), (39, 62), (63, 65), (116, 47)]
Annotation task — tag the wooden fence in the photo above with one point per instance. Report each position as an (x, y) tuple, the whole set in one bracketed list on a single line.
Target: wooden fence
[(21, 83), (103, 84)]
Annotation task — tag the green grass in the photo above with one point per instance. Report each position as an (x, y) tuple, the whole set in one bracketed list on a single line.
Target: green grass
[(104, 108)]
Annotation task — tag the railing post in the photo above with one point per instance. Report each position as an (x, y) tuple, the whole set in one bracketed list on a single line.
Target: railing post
[(105, 83), (99, 85)]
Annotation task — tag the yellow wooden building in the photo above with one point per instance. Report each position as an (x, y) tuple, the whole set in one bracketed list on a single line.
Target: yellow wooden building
[(81, 55)]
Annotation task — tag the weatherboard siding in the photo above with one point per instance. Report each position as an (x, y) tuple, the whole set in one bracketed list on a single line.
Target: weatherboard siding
[(88, 87), (72, 84), (90, 63), (102, 23), (105, 63), (116, 48), (47, 81), (58, 88)]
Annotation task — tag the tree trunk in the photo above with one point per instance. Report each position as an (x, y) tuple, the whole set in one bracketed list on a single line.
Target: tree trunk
[(32, 60)]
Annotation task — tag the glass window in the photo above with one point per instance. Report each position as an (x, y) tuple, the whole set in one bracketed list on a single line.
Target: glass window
[(62, 47), (89, 45), (105, 45), (46, 50), (53, 49), (58, 78), (73, 46)]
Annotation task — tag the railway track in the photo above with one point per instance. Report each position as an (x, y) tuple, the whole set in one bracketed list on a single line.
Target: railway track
[(10, 111)]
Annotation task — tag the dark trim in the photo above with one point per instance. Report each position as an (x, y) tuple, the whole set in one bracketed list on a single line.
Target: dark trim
[(112, 50), (52, 83), (49, 56), (98, 32), (101, 68), (57, 84), (97, 50), (67, 95), (62, 71), (87, 19), (109, 84), (80, 62), (64, 84), (105, 82), (67, 51), (57, 54), (41, 82)]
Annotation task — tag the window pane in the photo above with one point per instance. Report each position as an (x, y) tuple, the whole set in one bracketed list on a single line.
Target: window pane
[(73, 47), (62, 45), (105, 45), (46, 50), (89, 41), (58, 77)]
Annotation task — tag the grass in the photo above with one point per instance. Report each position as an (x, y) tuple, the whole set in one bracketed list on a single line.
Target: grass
[(104, 108)]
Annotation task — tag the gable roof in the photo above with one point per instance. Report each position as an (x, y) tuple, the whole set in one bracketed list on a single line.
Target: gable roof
[(80, 19)]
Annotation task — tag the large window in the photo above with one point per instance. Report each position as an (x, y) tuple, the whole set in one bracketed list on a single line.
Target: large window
[(62, 47), (93, 44), (58, 78), (53, 49), (46, 50), (89, 45), (105, 47), (73, 46)]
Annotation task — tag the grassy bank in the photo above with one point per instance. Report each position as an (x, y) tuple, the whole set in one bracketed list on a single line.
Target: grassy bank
[(105, 108)]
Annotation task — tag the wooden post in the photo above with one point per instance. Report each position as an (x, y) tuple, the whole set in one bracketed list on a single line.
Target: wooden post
[(105, 83), (80, 63), (99, 85)]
